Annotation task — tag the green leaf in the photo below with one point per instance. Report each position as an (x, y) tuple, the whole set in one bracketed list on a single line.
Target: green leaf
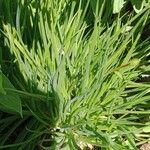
[(2, 91), (118, 5), (1, 86), (137, 5), (9, 100), (146, 129)]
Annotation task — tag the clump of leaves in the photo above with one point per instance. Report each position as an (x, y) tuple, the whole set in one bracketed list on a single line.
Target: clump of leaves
[(79, 84)]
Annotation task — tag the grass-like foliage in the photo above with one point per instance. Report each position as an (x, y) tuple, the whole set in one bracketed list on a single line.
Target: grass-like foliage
[(75, 77)]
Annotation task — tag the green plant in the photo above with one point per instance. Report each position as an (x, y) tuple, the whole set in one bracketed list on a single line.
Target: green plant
[(75, 84)]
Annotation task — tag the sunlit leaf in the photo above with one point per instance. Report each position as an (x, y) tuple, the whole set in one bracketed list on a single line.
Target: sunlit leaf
[(118, 5)]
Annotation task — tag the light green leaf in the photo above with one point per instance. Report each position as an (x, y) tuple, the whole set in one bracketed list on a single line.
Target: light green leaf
[(9, 100), (137, 5), (118, 5), (118, 74), (146, 129)]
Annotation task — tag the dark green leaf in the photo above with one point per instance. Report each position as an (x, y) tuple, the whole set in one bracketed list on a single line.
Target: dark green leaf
[(9, 100)]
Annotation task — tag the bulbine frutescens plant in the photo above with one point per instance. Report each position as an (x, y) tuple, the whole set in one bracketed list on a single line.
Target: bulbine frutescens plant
[(77, 81)]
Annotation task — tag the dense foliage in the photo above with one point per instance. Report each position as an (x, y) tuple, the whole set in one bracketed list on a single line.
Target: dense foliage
[(70, 74)]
